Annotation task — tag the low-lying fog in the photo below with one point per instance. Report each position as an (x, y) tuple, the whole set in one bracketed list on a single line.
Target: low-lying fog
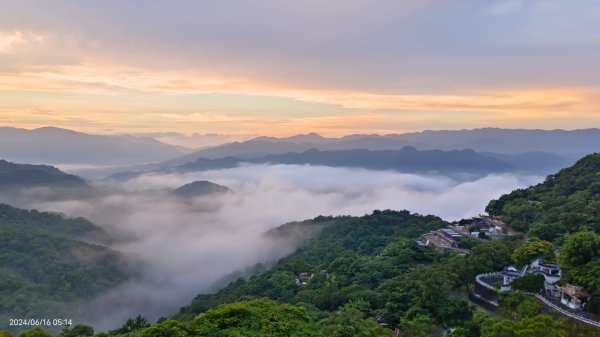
[(188, 245)]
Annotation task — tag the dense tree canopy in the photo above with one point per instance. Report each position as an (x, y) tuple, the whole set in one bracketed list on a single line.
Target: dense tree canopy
[(531, 283), (532, 249), (538, 326), (35, 332), (579, 249), (561, 204), (46, 269)]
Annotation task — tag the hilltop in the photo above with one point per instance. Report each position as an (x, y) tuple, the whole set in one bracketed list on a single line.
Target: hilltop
[(25, 175), (201, 188)]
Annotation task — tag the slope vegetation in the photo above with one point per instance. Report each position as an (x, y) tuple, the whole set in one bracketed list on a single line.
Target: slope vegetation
[(46, 267), (562, 204)]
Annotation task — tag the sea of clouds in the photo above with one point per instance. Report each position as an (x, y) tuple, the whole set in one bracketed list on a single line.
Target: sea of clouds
[(186, 246)]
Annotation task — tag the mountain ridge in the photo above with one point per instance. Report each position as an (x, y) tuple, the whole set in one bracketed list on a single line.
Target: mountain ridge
[(52, 145)]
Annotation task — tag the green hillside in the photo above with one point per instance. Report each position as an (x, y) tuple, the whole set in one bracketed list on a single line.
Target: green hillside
[(562, 204), (27, 175), (360, 273), (50, 223), (45, 269)]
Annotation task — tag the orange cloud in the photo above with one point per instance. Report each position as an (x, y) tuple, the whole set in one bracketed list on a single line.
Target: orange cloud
[(102, 79), (81, 105), (12, 41)]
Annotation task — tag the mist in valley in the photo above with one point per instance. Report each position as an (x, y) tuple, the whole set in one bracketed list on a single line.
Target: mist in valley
[(181, 247)]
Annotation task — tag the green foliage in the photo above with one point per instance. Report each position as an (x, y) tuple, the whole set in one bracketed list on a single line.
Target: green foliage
[(420, 326), (517, 304), (529, 307), (364, 267), (486, 257), (471, 328), (79, 330), (538, 326), (35, 332), (132, 324), (532, 283), (561, 204), (45, 270), (46, 222), (532, 249), (169, 328), (468, 242), (349, 260), (350, 321), (256, 318), (5, 334), (580, 255), (579, 249)]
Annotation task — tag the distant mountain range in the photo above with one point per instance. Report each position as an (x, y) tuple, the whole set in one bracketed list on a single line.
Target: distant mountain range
[(535, 151), (52, 145), (568, 144), (408, 159)]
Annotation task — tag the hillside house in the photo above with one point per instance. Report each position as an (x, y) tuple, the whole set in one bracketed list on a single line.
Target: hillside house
[(440, 239), (509, 274), (573, 296), (551, 272)]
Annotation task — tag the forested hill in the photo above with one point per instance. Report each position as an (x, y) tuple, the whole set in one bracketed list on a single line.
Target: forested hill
[(49, 223), (25, 175), (562, 204), (336, 252), (357, 277), (45, 267)]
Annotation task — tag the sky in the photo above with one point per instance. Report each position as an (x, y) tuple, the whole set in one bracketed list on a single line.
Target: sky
[(272, 67)]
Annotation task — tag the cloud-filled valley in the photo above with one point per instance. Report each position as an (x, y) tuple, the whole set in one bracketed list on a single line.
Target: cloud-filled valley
[(185, 246)]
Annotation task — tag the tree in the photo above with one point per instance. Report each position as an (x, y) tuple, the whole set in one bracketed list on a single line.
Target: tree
[(579, 249), (79, 330), (489, 256), (352, 322), (255, 318), (133, 324), (529, 283), (5, 334), (532, 249), (513, 303), (459, 332), (35, 332), (529, 307), (538, 326), (504, 328), (419, 326), (169, 328)]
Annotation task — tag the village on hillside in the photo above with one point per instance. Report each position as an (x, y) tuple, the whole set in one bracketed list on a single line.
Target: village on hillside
[(448, 239), (566, 299)]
